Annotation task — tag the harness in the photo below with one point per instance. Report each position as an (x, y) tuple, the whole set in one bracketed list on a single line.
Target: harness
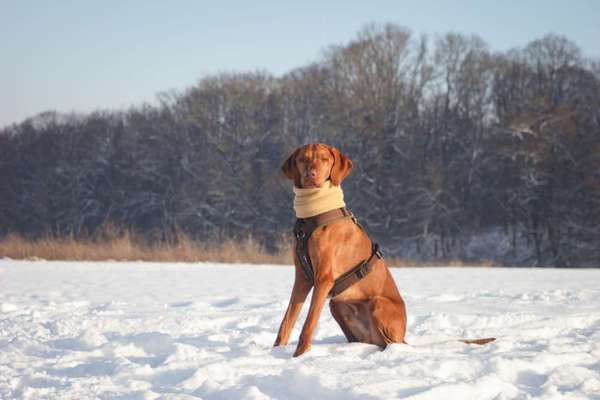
[(304, 227)]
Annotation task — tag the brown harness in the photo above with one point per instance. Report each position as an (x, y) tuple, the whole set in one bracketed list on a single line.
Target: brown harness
[(304, 227)]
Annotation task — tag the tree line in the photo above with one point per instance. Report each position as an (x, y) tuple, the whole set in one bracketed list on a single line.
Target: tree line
[(459, 152)]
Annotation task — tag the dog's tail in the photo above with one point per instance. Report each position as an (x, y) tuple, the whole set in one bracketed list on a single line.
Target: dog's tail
[(480, 342)]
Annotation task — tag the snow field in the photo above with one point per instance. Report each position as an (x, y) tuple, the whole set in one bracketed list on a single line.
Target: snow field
[(180, 331)]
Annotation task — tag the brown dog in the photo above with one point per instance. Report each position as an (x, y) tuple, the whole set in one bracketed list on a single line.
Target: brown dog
[(369, 311)]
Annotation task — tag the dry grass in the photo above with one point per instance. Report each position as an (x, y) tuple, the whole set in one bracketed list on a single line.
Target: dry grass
[(112, 244), (403, 263)]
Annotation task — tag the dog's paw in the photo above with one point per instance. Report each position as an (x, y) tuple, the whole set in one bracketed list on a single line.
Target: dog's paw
[(301, 349)]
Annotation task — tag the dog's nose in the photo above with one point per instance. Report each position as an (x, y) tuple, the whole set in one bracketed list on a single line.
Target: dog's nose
[(312, 173)]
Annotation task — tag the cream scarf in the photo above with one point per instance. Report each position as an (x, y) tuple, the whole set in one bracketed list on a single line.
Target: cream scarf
[(311, 202)]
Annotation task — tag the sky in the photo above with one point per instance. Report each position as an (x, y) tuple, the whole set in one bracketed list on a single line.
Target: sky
[(71, 55)]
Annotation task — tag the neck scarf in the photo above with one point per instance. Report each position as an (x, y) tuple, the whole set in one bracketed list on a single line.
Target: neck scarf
[(315, 201)]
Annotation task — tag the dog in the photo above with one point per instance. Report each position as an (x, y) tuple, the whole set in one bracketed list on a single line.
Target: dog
[(371, 310), (335, 256)]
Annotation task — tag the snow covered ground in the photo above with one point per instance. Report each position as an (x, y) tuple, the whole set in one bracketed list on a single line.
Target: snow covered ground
[(179, 331)]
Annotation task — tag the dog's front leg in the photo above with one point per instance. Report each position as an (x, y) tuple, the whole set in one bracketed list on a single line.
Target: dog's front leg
[(299, 292), (323, 285)]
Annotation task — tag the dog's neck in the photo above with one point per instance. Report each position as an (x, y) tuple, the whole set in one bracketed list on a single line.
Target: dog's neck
[(315, 201)]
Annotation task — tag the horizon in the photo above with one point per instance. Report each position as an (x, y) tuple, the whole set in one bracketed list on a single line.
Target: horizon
[(79, 58)]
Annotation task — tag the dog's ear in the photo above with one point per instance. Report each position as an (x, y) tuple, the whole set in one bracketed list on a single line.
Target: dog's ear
[(342, 166), (290, 170)]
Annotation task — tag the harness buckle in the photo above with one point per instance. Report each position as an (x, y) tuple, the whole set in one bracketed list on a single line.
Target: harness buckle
[(362, 271), (377, 251)]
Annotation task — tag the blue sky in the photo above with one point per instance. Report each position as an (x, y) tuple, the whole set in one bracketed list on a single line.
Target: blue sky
[(70, 55)]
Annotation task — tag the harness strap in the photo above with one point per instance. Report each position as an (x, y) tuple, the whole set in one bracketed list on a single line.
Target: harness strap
[(356, 274), (304, 227)]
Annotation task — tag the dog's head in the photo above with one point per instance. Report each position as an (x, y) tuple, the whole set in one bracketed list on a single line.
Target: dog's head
[(311, 165)]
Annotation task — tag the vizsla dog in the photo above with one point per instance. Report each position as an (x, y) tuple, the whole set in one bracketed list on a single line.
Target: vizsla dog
[(369, 311)]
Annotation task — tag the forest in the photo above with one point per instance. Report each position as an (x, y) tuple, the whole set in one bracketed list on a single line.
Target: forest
[(459, 151)]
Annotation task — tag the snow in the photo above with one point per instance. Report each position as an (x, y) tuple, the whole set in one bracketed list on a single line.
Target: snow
[(187, 331)]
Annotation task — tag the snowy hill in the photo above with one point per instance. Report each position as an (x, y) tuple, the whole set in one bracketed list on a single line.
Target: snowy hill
[(180, 331)]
